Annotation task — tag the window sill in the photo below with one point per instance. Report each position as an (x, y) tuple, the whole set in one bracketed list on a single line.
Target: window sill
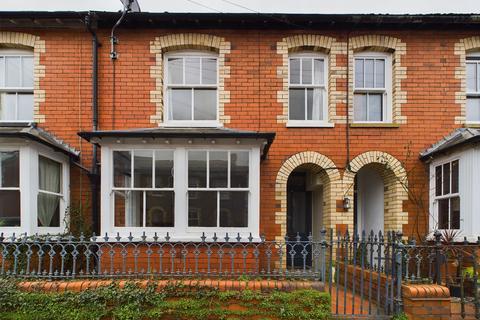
[(191, 124), (15, 123), (309, 124), (475, 125), (374, 125)]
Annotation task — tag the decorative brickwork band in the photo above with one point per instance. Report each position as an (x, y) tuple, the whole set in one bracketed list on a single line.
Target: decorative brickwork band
[(330, 177), (463, 47), (25, 40), (188, 41), (399, 72), (319, 43), (395, 182)]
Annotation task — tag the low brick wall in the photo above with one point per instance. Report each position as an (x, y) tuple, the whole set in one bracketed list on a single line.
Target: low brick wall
[(222, 285)]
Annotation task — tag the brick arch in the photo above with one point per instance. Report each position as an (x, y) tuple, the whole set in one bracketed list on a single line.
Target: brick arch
[(26, 40), (398, 49), (395, 181), (463, 47), (182, 41), (313, 161), (314, 42)]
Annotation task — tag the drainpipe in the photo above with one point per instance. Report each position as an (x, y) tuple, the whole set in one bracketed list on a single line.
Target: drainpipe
[(94, 175)]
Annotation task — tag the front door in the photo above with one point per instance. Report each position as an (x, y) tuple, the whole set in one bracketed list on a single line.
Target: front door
[(299, 220)]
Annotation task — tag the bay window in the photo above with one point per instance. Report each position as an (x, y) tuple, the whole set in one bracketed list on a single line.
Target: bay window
[(191, 88), (372, 88), (16, 85), (447, 195), (473, 88), (181, 190), (307, 89)]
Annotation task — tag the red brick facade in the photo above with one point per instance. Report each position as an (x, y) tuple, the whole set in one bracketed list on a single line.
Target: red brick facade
[(430, 107)]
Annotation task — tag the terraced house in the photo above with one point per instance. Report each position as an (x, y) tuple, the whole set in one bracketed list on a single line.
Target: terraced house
[(246, 124)]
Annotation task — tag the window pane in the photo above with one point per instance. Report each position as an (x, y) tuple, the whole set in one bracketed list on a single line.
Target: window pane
[(295, 71), (307, 71), (164, 169), (375, 107), (48, 208), (205, 104), (473, 109), (202, 209), (10, 169), (175, 71), (128, 209), (319, 72), (443, 213), (27, 72), (438, 180), (446, 178), (9, 208), (25, 106), (296, 104), (209, 71), (218, 169), (359, 73), (180, 104), (234, 209), (309, 103), (455, 213), (160, 208), (379, 73), (360, 107), (8, 102), (192, 70), (122, 166), (455, 176), (49, 175), (239, 169), (142, 168), (472, 77), (13, 71), (369, 73), (197, 169)]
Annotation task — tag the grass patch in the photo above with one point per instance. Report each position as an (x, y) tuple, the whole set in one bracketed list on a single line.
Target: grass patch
[(173, 302)]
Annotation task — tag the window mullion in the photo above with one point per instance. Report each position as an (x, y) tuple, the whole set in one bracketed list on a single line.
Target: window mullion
[(218, 209), (229, 170), (144, 213), (192, 101), (208, 170), (374, 75), (132, 172), (305, 93), (153, 169)]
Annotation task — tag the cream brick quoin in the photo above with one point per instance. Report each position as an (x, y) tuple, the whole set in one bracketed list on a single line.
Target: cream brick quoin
[(318, 43), (395, 183), (382, 44), (30, 41), (182, 41), (336, 187), (463, 47)]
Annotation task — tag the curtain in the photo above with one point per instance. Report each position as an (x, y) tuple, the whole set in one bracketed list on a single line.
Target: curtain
[(49, 180), (317, 104)]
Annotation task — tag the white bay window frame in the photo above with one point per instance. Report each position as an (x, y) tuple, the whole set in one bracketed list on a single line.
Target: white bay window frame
[(323, 86), (185, 54), (386, 91), (29, 153), (180, 231), (15, 90)]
